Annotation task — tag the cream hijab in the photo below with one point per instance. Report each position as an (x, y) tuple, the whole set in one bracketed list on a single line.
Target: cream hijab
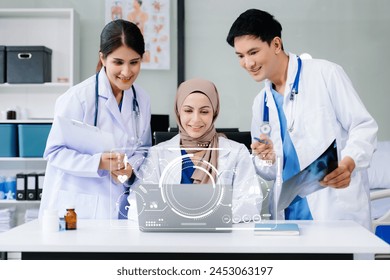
[(207, 140)]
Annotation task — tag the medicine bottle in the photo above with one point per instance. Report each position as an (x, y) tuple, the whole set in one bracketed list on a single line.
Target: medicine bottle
[(70, 219), (50, 221)]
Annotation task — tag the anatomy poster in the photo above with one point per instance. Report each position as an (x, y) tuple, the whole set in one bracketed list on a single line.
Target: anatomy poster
[(152, 17)]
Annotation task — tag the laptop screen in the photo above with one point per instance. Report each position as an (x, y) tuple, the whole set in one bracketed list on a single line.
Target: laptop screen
[(163, 199), (184, 207)]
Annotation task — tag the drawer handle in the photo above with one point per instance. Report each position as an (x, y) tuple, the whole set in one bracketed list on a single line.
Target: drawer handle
[(24, 55)]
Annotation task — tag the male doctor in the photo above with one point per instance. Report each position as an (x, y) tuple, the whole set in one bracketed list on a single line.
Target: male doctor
[(304, 106)]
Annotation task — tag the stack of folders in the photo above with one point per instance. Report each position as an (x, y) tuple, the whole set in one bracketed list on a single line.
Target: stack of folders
[(7, 219), (276, 229), (29, 186), (31, 214)]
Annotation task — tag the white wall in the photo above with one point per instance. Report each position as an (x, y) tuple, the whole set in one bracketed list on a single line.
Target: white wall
[(352, 33)]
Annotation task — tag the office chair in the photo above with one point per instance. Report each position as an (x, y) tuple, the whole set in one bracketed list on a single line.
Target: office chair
[(227, 129), (161, 136), (159, 123), (173, 129), (243, 137)]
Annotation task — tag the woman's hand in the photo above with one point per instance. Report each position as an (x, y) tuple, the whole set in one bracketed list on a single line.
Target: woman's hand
[(122, 175), (118, 166), (341, 176), (112, 161)]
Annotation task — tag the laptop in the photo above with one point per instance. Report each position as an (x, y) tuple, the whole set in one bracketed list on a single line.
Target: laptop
[(184, 208)]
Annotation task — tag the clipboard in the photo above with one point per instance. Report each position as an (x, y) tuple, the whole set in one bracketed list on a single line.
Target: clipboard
[(83, 137)]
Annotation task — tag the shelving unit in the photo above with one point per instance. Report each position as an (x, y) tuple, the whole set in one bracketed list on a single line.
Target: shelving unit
[(27, 121), (10, 166), (20, 208), (57, 29)]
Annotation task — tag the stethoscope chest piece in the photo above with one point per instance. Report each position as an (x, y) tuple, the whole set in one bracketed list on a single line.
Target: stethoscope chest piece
[(265, 128)]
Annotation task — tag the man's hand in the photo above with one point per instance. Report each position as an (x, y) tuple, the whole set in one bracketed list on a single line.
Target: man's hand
[(341, 176), (264, 148)]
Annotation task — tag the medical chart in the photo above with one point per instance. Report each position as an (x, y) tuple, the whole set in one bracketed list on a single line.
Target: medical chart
[(83, 137), (307, 181), (152, 18)]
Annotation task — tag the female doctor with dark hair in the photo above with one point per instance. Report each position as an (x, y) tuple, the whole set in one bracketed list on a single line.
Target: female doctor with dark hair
[(200, 155), (95, 182)]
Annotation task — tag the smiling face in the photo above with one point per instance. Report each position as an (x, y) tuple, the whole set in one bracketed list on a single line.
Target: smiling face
[(196, 114), (258, 57), (122, 68)]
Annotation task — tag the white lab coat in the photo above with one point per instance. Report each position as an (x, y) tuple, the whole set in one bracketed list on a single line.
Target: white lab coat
[(72, 176), (235, 168), (327, 107)]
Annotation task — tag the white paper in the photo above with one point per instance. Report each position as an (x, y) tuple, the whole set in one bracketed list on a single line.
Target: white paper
[(85, 138)]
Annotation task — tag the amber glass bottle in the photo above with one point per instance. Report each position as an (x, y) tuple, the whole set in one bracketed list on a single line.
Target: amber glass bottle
[(70, 219)]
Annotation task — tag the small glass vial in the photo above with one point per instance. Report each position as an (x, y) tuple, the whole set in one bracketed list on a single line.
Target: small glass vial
[(70, 219)]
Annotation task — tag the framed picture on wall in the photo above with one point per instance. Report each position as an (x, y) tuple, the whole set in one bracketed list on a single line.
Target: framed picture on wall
[(152, 17)]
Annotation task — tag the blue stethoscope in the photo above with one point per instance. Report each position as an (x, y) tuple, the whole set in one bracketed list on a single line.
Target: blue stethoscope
[(265, 128), (136, 110)]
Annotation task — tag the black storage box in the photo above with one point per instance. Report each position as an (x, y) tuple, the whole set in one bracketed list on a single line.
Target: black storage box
[(2, 64), (28, 64)]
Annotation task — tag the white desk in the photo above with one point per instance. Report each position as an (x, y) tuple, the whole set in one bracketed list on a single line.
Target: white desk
[(336, 238)]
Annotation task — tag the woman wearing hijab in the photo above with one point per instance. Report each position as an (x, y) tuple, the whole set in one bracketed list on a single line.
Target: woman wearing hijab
[(200, 155)]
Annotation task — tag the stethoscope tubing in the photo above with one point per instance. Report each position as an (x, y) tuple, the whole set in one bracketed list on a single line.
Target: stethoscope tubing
[(294, 91), (135, 102)]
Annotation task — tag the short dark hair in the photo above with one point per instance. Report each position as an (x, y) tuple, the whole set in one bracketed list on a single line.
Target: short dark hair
[(255, 23), (119, 33)]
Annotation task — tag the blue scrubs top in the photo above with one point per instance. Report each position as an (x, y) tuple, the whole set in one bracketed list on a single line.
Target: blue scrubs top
[(187, 169), (299, 208)]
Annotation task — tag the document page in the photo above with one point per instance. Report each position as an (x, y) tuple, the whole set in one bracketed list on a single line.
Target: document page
[(85, 138)]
